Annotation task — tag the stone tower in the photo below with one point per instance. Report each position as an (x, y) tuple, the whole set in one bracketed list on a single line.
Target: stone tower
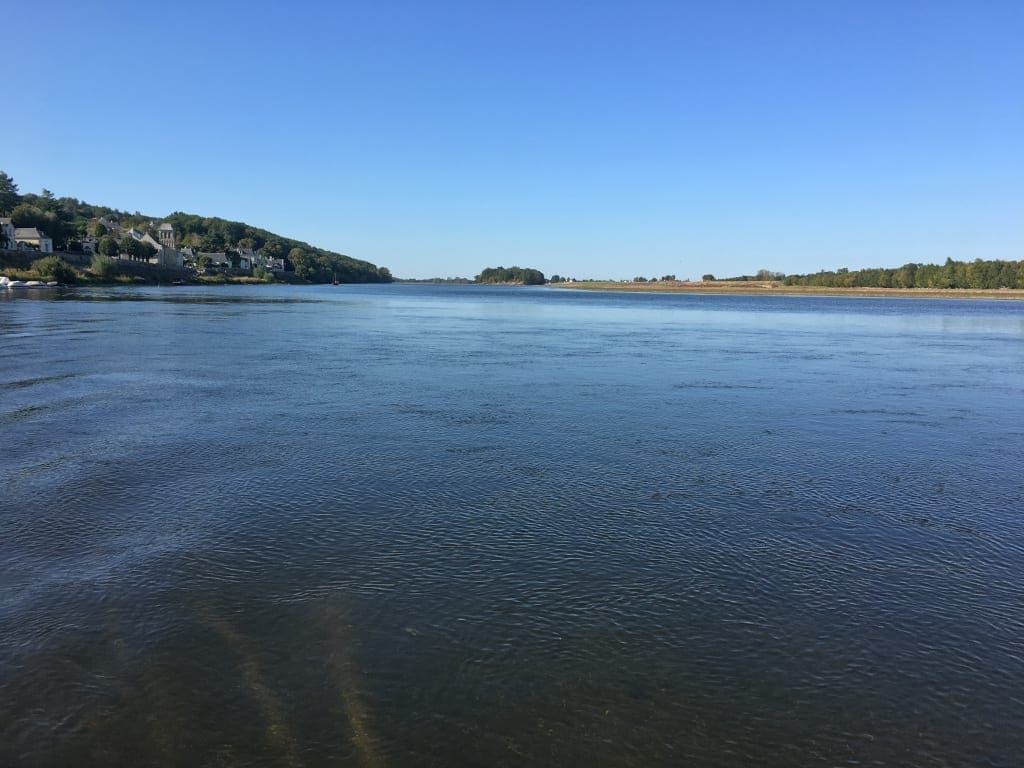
[(165, 233)]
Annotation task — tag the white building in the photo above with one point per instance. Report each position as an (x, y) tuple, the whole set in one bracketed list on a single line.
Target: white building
[(30, 237)]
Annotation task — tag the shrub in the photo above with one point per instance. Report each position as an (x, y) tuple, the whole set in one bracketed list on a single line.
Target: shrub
[(54, 268), (262, 274), (103, 266)]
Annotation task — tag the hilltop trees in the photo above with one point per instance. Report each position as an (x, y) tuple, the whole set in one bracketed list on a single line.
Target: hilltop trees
[(61, 218)]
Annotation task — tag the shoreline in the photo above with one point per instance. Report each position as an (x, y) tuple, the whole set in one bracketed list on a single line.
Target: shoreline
[(778, 289)]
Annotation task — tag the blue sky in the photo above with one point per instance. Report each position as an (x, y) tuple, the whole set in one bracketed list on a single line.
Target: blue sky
[(593, 139)]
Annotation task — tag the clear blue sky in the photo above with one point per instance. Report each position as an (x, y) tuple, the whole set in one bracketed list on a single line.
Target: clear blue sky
[(593, 139)]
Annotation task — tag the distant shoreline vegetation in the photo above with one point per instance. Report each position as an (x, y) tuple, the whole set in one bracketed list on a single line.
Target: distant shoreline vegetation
[(511, 276), (978, 274)]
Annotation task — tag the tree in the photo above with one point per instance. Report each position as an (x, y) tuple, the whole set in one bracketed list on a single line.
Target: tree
[(136, 249), (98, 229), (272, 249), (8, 193), (300, 262), (213, 243), (48, 202), (235, 258), (670, 278), (707, 278), (107, 246), (127, 246)]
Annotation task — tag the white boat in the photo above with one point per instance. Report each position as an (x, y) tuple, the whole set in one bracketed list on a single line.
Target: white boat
[(17, 284)]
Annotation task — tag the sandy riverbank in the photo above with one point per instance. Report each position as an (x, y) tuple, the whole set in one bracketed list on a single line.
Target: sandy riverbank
[(768, 288)]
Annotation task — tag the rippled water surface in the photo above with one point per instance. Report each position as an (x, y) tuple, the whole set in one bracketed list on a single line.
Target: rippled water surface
[(408, 525)]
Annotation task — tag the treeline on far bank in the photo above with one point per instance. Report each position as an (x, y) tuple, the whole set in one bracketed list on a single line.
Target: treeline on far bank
[(979, 273)]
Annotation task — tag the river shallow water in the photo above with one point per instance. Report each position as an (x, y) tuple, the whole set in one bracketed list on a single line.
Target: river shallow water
[(415, 525)]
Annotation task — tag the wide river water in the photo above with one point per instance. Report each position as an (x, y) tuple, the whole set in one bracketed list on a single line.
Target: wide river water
[(414, 525)]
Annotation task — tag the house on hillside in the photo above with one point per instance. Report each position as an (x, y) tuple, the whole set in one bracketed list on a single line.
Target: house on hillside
[(274, 265), (8, 236), (113, 227), (216, 259), (32, 238)]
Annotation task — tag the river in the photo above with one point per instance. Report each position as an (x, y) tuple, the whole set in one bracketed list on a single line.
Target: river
[(417, 525)]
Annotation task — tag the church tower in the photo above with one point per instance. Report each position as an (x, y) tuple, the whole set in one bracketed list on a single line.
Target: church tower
[(165, 233)]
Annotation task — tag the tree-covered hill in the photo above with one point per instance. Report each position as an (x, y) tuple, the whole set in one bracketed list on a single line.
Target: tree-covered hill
[(68, 219), (319, 265)]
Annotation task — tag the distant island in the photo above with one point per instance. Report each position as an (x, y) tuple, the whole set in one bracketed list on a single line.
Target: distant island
[(511, 276), (68, 240)]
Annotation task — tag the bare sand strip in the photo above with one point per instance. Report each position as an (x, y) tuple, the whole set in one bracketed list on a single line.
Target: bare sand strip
[(775, 288)]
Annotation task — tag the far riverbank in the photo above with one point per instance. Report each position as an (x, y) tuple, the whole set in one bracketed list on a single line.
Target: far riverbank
[(777, 288)]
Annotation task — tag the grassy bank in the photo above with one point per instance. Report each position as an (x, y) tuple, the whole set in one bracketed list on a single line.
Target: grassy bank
[(776, 288)]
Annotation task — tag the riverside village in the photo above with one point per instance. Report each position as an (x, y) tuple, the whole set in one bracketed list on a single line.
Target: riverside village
[(153, 244)]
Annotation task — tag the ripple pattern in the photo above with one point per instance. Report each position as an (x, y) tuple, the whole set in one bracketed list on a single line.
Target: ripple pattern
[(400, 525)]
